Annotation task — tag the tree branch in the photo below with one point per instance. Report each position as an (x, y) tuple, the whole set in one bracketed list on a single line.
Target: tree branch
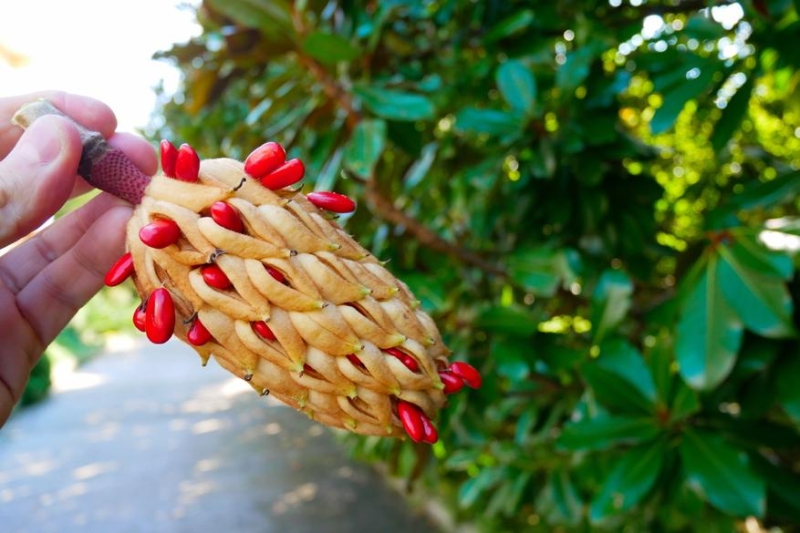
[(381, 205), (385, 209)]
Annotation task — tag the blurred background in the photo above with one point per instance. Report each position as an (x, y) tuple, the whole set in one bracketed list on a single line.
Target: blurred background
[(596, 200)]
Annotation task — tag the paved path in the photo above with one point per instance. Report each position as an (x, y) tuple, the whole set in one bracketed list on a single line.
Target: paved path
[(144, 440)]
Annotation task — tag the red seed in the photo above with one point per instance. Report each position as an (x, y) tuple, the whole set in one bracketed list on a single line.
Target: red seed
[(468, 373), (187, 165), (264, 330), (215, 277), (198, 335), (160, 233), (139, 319), (119, 271), (287, 174), (264, 159), (277, 274), (169, 155), (410, 416), (452, 383), (353, 358), (332, 201), (404, 358), (227, 216), (431, 435), (160, 316)]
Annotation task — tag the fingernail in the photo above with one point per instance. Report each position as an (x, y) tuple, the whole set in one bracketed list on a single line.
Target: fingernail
[(47, 137)]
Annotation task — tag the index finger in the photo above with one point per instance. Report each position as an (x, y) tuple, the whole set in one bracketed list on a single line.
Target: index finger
[(89, 112)]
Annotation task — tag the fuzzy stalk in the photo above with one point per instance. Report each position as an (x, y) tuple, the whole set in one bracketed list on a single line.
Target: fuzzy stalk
[(101, 165)]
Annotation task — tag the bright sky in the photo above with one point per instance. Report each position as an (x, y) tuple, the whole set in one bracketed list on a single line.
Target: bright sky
[(101, 48)]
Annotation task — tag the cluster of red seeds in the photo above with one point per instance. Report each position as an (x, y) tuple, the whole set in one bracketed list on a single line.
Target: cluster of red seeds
[(268, 165)]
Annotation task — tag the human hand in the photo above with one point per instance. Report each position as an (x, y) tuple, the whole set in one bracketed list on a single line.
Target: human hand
[(48, 277)]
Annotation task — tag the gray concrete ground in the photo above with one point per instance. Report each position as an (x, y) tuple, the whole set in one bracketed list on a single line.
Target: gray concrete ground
[(144, 440)]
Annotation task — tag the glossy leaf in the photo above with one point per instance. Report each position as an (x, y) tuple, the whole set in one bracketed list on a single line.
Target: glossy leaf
[(783, 488), (488, 121), (513, 320), (620, 358), (709, 332), (761, 300), (559, 501), (395, 105), (610, 302), (539, 270), (766, 194), (517, 85), (329, 48), (614, 391), (365, 147), (634, 473), (513, 358), (266, 15), (788, 385), (419, 169), (732, 115), (677, 96), (474, 488), (722, 474), (604, 431), (576, 66), (515, 23)]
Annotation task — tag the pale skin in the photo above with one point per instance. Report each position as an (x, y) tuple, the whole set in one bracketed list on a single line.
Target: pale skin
[(47, 275)]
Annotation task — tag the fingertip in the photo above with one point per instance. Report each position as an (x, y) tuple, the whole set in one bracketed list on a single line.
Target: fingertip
[(89, 112), (138, 150), (37, 177)]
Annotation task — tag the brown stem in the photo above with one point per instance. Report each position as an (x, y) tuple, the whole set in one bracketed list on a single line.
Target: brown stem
[(102, 165), (384, 208), (381, 205)]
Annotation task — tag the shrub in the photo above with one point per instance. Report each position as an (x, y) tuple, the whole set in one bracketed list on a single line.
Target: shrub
[(597, 202)]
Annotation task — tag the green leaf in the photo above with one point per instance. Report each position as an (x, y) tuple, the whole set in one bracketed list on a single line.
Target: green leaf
[(760, 299), (365, 147), (512, 356), (430, 291), (610, 302), (517, 85), (577, 66), (329, 48), (703, 28), (268, 16), (722, 474), (539, 270), (755, 256), (419, 169), (515, 23), (676, 96), (472, 489), (616, 392), (783, 488), (620, 358), (512, 320), (685, 403), (631, 477), (559, 501), (763, 195), (732, 115), (709, 332), (606, 431), (788, 385), (488, 121), (395, 105)]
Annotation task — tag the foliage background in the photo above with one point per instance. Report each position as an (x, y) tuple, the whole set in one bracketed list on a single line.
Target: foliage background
[(596, 200)]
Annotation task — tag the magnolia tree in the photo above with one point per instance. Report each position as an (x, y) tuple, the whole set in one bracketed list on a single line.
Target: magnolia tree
[(596, 201)]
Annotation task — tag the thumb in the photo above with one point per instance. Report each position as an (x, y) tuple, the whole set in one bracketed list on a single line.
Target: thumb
[(37, 177)]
